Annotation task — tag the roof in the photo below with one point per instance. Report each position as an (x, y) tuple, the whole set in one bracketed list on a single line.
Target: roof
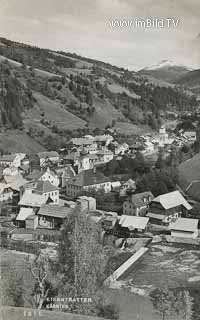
[(45, 186), (171, 200), (24, 213), (37, 174), (156, 216), (15, 181), (88, 177), (4, 188), (48, 154), (82, 141), (133, 222), (138, 198), (32, 199), (55, 211), (184, 224), (8, 157)]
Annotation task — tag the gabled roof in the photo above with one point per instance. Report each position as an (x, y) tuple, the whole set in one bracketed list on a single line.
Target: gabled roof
[(24, 213), (15, 181), (44, 186), (37, 174), (133, 222), (55, 211), (171, 200), (138, 199), (32, 200), (184, 224), (88, 177), (8, 157), (48, 154)]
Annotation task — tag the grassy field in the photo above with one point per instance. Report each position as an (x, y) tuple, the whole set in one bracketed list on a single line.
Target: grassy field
[(11, 313), (116, 88), (130, 128), (18, 141), (164, 264), (54, 113), (190, 170)]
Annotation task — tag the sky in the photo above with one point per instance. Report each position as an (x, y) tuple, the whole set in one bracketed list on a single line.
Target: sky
[(82, 26)]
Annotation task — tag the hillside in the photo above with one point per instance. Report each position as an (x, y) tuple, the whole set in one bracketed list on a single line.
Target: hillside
[(58, 95), (190, 80), (190, 170)]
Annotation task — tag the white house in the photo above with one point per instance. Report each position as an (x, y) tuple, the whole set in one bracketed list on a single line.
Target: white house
[(6, 193), (47, 175), (184, 228), (48, 156), (105, 155), (10, 160), (87, 180)]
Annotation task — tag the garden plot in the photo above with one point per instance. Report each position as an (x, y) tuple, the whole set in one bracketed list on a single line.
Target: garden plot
[(165, 265)]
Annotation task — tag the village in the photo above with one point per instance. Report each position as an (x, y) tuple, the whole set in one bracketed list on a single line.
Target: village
[(38, 195)]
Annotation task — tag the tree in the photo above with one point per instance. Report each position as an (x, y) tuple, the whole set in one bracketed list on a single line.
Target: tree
[(39, 269), (81, 263)]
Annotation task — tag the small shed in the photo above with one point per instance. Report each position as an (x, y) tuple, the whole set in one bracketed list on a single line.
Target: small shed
[(134, 223), (184, 228)]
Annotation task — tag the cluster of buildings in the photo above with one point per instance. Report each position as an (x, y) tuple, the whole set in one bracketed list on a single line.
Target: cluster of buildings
[(45, 196)]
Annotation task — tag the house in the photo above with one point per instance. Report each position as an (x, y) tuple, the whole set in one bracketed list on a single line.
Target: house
[(6, 193), (137, 204), (166, 207), (82, 142), (105, 155), (184, 228), (129, 185), (48, 157), (46, 175), (52, 217), (86, 203), (190, 136), (103, 140), (10, 160), (32, 200), (23, 215), (10, 171), (86, 180), (15, 181), (64, 174), (47, 190), (133, 223)]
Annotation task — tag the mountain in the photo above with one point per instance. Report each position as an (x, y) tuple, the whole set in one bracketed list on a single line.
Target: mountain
[(166, 70), (52, 96), (190, 80)]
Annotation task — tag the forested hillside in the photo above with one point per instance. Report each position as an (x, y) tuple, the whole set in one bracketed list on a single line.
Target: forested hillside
[(55, 94)]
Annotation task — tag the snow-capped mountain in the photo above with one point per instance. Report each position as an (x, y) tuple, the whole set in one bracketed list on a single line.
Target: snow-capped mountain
[(166, 64), (166, 70)]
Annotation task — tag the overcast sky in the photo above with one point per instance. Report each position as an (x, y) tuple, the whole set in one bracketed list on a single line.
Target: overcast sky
[(82, 26)]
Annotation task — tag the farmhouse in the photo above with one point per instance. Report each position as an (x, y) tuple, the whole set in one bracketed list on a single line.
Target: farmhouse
[(133, 223), (86, 180), (164, 208), (137, 204), (184, 228), (52, 217), (47, 175)]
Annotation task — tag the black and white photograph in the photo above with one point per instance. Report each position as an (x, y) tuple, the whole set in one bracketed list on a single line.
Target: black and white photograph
[(100, 159)]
